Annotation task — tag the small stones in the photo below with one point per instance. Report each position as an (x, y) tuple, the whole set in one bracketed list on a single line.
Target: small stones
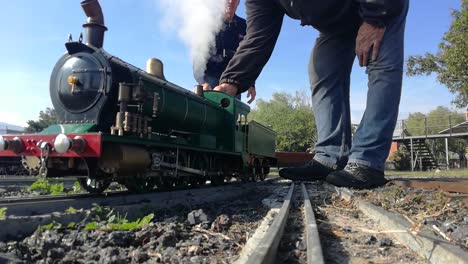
[(347, 229), (3, 247), (301, 245), (384, 251), (119, 239), (221, 223), (371, 240), (197, 217), (174, 236), (386, 242)]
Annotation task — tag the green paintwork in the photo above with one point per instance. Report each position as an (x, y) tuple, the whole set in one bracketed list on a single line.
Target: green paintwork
[(190, 122), (261, 140), (163, 142), (69, 129), (191, 116)]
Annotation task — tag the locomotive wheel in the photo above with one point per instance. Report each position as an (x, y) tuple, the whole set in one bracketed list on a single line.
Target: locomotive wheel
[(97, 181), (220, 165), (257, 171), (199, 163), (266, 168), (182, 181), (94, 185), (140, 184), (166, 183), (217, 180)]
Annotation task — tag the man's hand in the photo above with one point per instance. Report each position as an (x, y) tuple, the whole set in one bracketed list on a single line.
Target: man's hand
[(369, 37), (228, 88), (252, 94), (206, 87)]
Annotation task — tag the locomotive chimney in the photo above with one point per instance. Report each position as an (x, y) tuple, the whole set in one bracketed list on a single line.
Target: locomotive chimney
[(94, 27)]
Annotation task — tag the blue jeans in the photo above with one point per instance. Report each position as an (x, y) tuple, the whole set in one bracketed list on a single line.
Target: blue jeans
[(213, 82), (329, 71)]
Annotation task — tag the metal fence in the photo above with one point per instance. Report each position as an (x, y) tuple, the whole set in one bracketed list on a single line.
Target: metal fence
[(427, 126)]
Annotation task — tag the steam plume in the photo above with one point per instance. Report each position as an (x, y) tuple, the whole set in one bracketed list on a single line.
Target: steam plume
[(197, 22)]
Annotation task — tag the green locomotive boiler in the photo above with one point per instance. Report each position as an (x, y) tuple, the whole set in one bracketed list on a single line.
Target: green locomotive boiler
[(120, 123)]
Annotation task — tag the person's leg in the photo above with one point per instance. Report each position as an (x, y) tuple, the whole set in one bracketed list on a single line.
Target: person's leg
[(372, 140), (329, 71)]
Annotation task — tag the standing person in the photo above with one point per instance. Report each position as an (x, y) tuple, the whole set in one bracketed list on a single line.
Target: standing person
[(227, 42), (369, 29)]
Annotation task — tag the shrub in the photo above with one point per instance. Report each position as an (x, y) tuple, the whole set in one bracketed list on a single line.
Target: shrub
[(401, 158)]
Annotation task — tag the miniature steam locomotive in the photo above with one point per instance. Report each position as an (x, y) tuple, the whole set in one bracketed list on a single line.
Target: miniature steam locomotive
[(120, 123)]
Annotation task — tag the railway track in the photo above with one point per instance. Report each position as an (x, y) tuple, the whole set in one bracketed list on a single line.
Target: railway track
[(26, 214), (335, 237), (45, 204), (307, 223), (264, 250)]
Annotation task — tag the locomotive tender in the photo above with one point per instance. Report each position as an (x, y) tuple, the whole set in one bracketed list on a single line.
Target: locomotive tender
[(120, 123)]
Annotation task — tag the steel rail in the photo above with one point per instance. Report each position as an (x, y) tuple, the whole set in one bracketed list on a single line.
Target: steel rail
[(12, 200), (48, 204), (424, 243), (266, 250), (23, 219), (314, 248), (458, 185)]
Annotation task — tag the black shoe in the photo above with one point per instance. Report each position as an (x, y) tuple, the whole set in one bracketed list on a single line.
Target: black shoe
[(357, 176), (312, 171)]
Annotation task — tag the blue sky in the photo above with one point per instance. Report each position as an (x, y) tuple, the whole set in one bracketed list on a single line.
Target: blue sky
[(33, 34)]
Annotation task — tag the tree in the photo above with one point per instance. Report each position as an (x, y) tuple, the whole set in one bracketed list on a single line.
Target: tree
[(435, 121), (401, 158), (450, 62), (291, 117), (46, 118)]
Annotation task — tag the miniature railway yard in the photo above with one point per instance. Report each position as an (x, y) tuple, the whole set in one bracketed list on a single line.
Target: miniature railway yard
[(272, 221)]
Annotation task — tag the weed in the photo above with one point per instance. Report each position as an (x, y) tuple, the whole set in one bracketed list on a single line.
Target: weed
[(52, 226), (71, 225), (91, 226), (46, 186), (56, 189), (76, 188), (70, 210), (3, 212), (102, 212), (115, 221), (122, 224)]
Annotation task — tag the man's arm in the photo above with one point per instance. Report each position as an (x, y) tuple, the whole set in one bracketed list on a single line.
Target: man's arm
[(380, 12), (264, 20)]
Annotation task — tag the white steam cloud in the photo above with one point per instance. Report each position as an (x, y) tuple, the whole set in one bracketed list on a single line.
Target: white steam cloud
[(197, 22)]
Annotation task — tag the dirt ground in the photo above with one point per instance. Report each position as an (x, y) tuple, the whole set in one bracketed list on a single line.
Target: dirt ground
[(348, 236), (446, 214)]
